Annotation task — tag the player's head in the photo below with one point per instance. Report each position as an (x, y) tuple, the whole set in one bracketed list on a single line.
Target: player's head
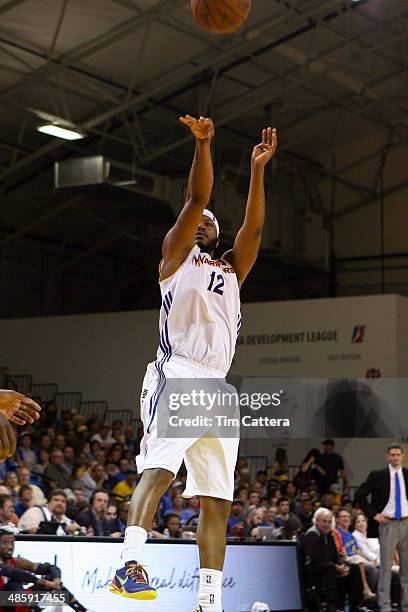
[(6, 544), (208, 231)]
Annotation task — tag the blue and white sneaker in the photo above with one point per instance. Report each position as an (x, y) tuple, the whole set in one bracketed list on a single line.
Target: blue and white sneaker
[(132, 582)]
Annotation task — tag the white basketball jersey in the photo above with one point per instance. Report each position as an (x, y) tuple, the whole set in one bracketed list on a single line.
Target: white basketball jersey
[(200, 315)]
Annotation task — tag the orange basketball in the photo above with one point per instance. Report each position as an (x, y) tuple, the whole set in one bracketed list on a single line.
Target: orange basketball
[(220, 16)]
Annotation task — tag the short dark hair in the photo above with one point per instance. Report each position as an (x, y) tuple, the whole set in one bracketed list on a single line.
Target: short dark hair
[(3, 498), (340, 510), (5, 532), (395, 445), (56, 493), (169, 516), (24, 488), (100, 490), (283, 499)]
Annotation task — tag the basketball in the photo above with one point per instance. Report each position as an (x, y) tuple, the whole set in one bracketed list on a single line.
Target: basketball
[(220, 16)]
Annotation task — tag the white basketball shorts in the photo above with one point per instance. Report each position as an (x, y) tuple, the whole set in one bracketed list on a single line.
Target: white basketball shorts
[(210, 461)]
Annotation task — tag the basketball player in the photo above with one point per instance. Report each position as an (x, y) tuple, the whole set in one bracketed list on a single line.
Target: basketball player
[(199, 319), (19, 409)]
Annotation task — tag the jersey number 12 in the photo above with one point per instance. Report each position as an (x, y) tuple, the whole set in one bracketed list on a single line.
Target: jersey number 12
[(219, 287)]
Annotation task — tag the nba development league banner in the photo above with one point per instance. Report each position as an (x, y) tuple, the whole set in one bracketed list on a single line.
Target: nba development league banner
[(330, 338), (270, 572)]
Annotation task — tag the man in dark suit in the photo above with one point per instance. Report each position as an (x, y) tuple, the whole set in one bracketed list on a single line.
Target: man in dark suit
[(387, 512), (324, 566)]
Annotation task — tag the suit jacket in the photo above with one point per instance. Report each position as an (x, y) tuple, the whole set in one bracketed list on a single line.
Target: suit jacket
[(317, 548), (378, 486)]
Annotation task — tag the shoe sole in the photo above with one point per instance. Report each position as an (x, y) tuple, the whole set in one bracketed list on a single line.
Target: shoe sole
[(142, 595)]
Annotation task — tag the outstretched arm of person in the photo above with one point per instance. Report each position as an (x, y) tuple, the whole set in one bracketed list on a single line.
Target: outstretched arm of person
[(18, 408), (180, 239), (248, 240), (8, 440)]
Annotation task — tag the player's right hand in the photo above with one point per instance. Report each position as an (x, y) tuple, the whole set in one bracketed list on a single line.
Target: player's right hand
[(18, 408), (8, 440), (202, 128)]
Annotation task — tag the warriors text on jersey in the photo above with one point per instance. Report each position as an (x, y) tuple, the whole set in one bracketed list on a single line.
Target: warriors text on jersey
[(200, 314)]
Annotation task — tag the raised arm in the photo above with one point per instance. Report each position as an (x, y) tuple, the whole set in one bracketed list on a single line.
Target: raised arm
[(180, 239), (248, 240)]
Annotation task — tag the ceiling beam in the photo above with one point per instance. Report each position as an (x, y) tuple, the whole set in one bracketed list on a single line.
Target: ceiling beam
[(10, 5), (50, 210), (266, 94), (370, 200)]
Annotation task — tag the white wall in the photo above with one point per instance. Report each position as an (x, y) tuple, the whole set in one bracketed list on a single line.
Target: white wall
[(102, 355)]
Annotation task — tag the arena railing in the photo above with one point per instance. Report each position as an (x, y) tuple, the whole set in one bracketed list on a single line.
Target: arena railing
[(68, 400), (95, 407), (44, 391), (119, 415), (23, 382)]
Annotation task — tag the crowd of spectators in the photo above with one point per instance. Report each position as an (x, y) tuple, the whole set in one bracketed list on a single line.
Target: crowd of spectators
[(72, 475)]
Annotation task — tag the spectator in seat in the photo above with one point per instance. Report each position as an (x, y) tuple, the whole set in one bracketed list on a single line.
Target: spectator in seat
[(43, 462), (95, 519), (130, 441), (104, 437), (49, 414), (254, 499), (69, 459), (26, 500), (82, 477), (236, 514), (333, 466), (25, 453), (60, 442), (78, 504), (309, 469), (370, 549), (99, 476), (279, 471), (329, 500), (192, 510), (324, 566), (24, 478), (349, 547), (113, 475), (253, 521), (93, 447), (45, 443), (7, 514), (177, 505), (292, 529), (283, 511), (306, 514), (56, 476), (16, 572), (172, 526), (123, 510), (126, 487), (12, 485), (261, 479), (35, 520)]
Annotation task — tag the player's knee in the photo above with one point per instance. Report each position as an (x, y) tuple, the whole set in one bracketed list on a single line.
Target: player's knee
[(158, 477)]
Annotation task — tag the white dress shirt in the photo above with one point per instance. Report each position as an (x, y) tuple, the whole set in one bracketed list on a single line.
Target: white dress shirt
[(369, 547), (389, 509)]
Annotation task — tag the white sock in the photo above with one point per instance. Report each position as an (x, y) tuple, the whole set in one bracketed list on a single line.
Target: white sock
[(133, 546), (209, 596)]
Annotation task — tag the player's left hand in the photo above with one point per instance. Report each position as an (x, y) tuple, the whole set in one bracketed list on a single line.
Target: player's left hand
[(202, 128), (264, 151), (18, 408)]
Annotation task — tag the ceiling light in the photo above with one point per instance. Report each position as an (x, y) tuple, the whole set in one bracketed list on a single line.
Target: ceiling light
[(61, 132)]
